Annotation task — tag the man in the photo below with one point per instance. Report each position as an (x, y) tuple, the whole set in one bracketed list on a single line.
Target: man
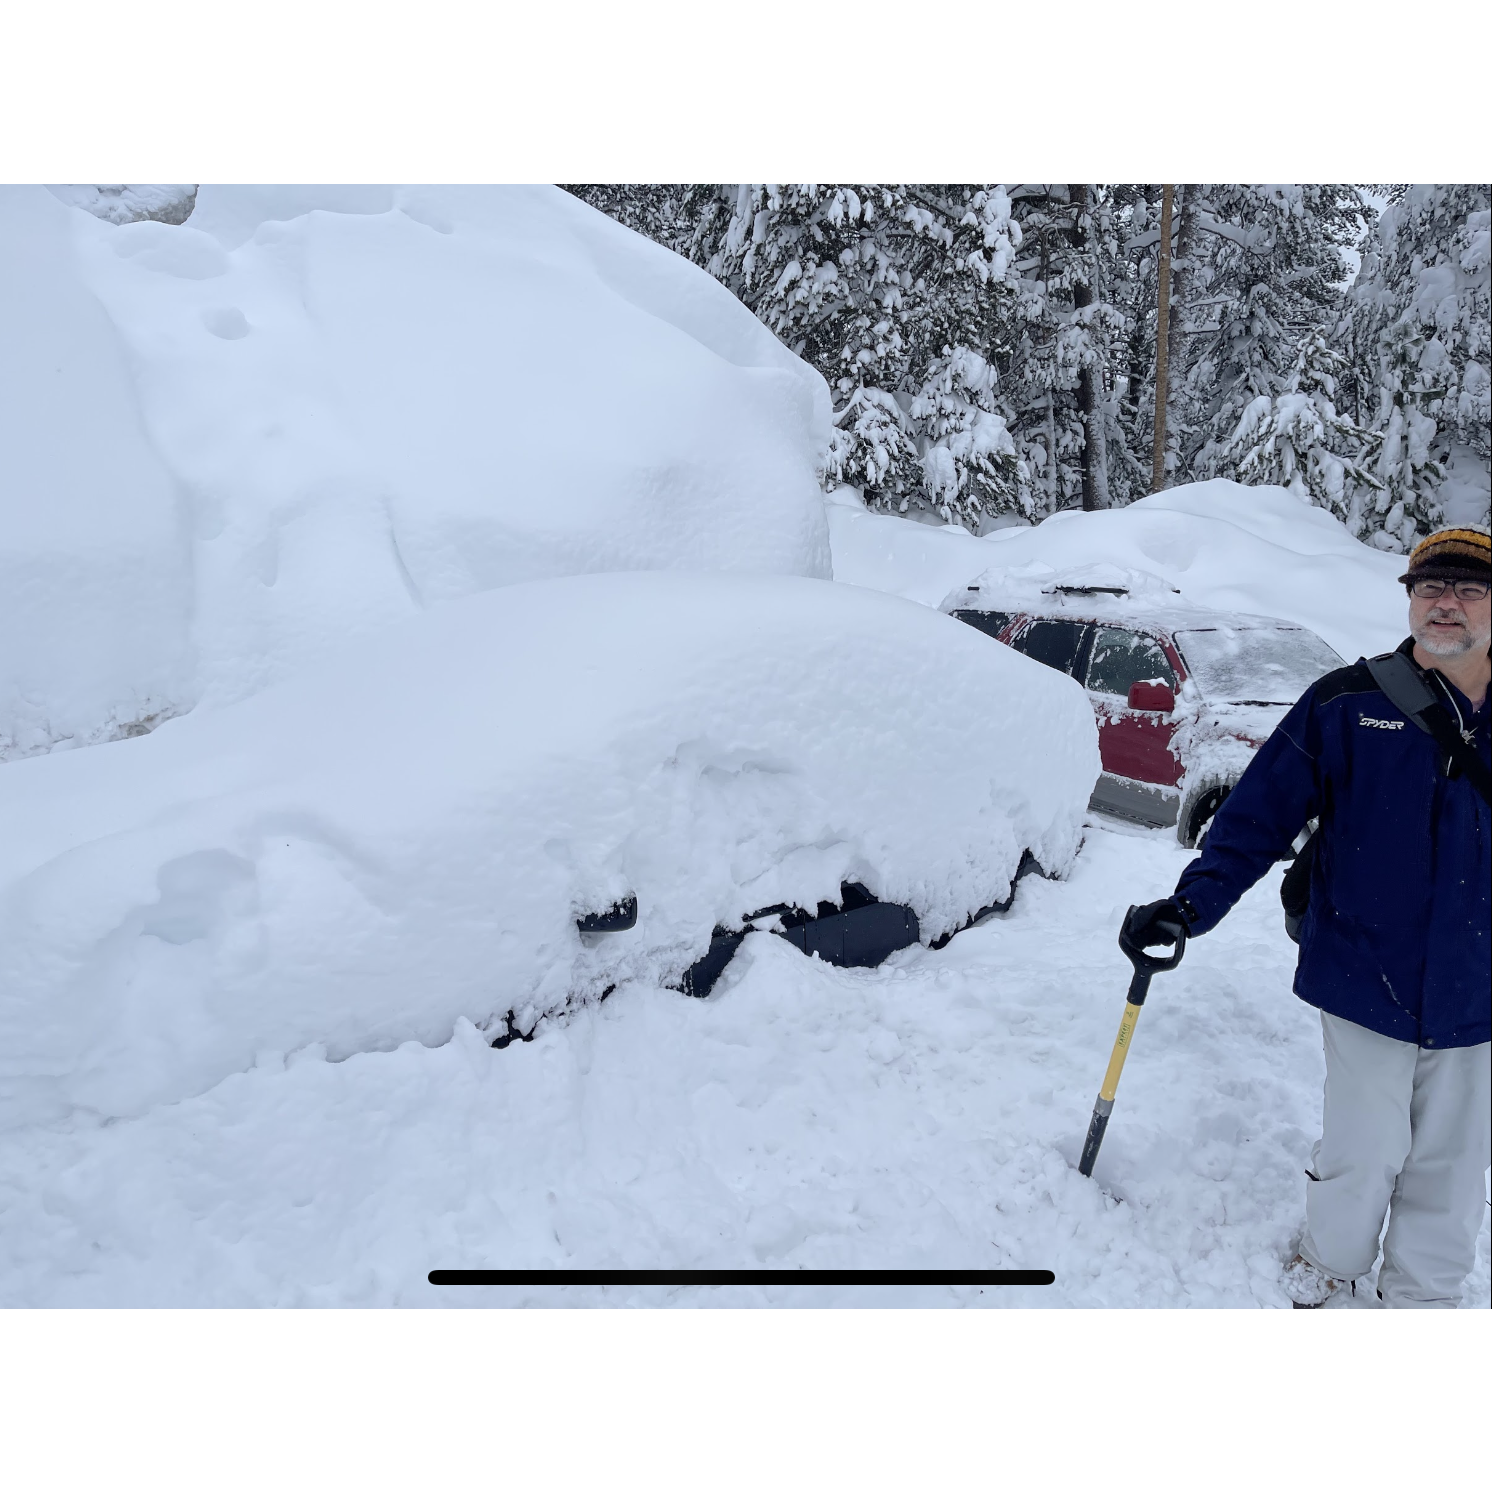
[(1394, 947)]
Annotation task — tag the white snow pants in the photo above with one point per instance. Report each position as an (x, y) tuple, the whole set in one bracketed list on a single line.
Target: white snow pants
[(1407, 1132)]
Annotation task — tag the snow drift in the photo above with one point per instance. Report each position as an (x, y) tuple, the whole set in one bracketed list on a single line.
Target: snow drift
[(309, 412), (1256, 550), (405, 834)]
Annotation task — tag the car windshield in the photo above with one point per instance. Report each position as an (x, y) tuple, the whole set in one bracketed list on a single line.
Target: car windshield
[(1255, 665)]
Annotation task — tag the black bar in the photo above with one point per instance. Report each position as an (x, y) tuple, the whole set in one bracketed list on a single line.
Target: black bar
[(741, 1277)]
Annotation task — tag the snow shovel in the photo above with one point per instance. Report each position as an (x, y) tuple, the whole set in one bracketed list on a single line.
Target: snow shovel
[(1145, 965)]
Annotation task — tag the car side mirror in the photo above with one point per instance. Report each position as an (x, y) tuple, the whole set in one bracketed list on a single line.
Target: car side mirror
[(1151, 694), (617, 918)]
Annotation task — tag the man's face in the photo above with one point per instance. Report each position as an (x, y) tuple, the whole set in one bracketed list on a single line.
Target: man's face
[(1447, 626)]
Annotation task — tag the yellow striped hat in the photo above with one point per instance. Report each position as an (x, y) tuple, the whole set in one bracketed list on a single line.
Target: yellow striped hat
[(1460, 553)]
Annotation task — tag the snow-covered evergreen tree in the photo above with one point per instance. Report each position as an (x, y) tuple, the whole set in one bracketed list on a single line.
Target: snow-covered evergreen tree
[(1421, 326), (1259, 269), (1067, 336), (898, 295), (131, 204), (969, 465), (1298, 439), (656, 210), (992, 349), (1134, 275)]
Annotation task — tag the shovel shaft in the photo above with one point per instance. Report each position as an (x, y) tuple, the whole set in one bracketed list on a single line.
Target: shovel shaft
[(1121, 1051), (1144, 964), (1105, 1105)]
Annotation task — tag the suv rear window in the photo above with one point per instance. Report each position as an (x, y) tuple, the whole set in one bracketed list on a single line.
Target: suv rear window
[(1122, 658), (1054, 643), (992, 622)]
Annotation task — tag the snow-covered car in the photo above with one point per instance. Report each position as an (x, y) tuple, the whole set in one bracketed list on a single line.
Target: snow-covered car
[(1183, 696), (510, 805)]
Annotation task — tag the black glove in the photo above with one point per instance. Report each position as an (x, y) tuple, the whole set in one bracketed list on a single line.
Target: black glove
[(1157, 924)]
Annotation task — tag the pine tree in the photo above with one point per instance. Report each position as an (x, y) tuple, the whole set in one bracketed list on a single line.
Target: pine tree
[(1421, 325), (1298, 440), (993, 349), (1068, 335), (1259, 269), (657, 211), (1134, 272), (898, 295)]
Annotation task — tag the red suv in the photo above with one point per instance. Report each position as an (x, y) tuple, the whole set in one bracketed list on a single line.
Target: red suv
[(1183, 696)]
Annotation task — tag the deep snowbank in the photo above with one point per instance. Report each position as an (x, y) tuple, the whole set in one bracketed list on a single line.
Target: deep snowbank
[(405, 834), (1257, 550), (308, 412), (95, 554)]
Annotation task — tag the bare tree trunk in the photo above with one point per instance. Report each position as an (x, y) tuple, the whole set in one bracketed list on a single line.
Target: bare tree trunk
[(1053, 485), (1185, 267), (1090, 379), (1162, 343), (1053, 494)]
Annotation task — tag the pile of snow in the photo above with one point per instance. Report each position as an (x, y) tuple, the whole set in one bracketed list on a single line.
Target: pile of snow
[(1254, 550), (405, 834), (229, 445), (96, 586), (1099, 589)]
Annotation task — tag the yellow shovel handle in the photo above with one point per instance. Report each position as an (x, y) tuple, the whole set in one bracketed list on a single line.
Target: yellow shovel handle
[(1120, 1052)]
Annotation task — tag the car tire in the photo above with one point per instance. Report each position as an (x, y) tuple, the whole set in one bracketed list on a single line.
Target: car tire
[(1197, 813)]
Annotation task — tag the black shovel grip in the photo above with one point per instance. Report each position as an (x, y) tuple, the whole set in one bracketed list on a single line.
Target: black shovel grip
[(1146, 964)]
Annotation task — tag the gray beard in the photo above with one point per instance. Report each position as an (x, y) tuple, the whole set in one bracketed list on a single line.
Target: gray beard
[(1447, 647)]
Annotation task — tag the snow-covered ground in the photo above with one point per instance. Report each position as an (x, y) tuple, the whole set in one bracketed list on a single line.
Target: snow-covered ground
[(925, 1114)]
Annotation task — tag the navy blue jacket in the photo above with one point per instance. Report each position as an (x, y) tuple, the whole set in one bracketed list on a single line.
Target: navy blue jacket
[(1397, 934)]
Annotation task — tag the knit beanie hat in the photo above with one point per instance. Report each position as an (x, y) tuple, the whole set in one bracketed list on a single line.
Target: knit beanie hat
[(1460, 553)]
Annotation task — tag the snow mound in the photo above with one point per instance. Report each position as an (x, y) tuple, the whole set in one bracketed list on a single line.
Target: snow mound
[(1254, 550), (405, 834), (310, 412), (1038, 583), (95, 551)]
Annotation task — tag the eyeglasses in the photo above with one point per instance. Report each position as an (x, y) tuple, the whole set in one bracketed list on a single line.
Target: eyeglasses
[(1466, 590)]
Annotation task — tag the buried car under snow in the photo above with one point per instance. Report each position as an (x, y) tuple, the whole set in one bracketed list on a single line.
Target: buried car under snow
[(433, 823), (1183, 696)]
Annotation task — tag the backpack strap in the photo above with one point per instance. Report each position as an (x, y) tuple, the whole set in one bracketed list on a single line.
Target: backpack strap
[(1401, 680)]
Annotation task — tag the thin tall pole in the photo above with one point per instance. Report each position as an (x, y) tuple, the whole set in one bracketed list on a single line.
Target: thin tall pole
[(1162, 338)]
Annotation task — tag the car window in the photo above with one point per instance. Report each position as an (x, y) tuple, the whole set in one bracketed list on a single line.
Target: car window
[(992, 622), (1255, 665), (1122, 658), (1052, 642)]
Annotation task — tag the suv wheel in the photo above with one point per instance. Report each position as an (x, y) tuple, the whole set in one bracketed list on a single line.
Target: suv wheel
[(1197, 814)]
